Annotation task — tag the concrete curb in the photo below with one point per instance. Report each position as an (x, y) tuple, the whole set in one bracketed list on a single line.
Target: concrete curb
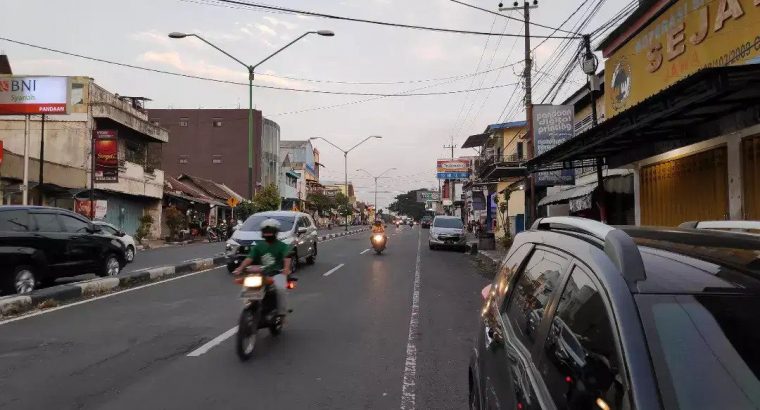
[(338, 235), (55, 295)]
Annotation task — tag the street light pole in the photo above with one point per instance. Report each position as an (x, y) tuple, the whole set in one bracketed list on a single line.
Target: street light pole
[(376, 178), (345, 160), (250, 68)]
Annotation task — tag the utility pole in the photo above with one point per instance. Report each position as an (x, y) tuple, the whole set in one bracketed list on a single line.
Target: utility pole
[(590, 63), (528, 99), (451, 181), (42, 160)]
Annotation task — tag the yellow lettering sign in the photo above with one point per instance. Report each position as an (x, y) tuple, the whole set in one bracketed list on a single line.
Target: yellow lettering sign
[(727, 9), (701, 33), (654, 55), (676, 38)]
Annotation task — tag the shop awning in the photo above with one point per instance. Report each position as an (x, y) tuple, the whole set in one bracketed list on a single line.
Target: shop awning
[(504, 170), (712, 102), (476, 140), (195, 199), (614, 182)]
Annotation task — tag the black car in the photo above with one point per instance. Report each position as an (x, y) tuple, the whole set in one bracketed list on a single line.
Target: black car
[(582, 315), (425, 222), (40, 244)]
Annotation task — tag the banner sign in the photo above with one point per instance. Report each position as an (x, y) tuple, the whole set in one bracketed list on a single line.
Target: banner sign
[(453, 168), (106, 156), (34, 95), (553, 125), (83, 207), (424, 196)]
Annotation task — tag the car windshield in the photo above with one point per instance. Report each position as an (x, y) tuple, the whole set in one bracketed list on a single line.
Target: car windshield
[(448, 223), (704, 349), (254, 222)]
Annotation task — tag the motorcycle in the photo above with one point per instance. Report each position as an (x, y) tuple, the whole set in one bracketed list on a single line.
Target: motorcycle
[(259, 310), (212, 234), (378, 242)]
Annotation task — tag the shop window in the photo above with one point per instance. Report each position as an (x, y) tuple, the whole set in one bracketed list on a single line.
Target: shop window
[(134, 152)]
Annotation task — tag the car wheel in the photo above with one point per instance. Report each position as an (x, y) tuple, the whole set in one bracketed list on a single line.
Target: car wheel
[(313, 257), (129, 255), (111, 266), (294, 262), (24, 280)]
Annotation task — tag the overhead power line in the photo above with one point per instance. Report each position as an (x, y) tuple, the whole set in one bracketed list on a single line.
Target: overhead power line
[(576, 35), (216, 80), (377, 22)]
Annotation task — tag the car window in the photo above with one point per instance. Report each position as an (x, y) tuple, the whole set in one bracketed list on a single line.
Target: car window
[(579, 362), (14, 221), (448, 223), (508, 269), (46, 222), (530, 295), (308, 221), (704, 349), (72, 224), (253, 223), (109, 230), (302, 223)]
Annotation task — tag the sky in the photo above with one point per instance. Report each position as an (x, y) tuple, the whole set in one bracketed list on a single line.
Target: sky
[(414, 128)]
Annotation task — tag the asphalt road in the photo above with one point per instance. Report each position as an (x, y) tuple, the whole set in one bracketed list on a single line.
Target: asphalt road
[(347, 344)]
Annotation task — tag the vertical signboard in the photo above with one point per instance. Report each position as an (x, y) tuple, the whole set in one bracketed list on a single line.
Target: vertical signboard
[(553, 125), (106, 156), (34, 95)]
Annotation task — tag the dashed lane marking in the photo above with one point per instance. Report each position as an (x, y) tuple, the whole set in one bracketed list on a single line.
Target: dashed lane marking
[(329, 272)]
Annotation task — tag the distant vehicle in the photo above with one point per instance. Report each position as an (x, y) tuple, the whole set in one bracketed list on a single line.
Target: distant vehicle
[(426, 221), (41, 244), (447, 232), (297, 229), (584, 315), (127, 240)]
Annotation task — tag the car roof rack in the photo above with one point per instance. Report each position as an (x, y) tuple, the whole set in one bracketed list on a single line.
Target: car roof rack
[(618, 245), (721, 225)]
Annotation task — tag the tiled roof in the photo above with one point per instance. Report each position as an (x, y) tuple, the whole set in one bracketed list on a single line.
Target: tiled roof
[(208, 186)]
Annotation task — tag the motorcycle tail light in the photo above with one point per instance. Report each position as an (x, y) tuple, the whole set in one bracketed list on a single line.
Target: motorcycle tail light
[(291, 284), (239, 280)]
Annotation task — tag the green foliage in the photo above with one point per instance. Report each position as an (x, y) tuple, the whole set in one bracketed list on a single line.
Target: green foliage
[(322, 203), (244, 210), (343, 205), (175, 220), (267, 199), (406, 204), (146, 221)]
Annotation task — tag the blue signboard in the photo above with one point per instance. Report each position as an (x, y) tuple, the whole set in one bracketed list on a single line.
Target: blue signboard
[(453, 175)]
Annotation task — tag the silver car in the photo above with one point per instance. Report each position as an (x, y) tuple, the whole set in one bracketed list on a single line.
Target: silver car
[(297, 229), (447, 232)]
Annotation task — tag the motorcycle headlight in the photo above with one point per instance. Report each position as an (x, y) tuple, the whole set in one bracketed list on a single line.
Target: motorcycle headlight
[(253, 281), (378, 238)]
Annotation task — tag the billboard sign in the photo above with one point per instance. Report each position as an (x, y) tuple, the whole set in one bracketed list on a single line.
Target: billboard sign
[(106, 156), (424, 196), (34, 95), (84, 207), (553, 125), (453, 168)]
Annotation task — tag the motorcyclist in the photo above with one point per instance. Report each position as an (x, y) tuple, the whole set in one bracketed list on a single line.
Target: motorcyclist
[(378, 227), (271, 257)]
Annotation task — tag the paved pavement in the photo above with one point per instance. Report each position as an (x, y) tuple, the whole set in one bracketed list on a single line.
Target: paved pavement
[(346, 346)]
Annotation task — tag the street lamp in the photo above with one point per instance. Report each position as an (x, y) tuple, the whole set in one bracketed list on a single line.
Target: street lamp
[(250, 68), (376, 178), (345, 159)]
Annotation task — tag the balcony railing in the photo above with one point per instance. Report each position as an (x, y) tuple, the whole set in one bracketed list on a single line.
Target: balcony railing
[(491, 159)]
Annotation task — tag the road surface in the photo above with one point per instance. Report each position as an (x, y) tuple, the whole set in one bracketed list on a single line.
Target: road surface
[(347, 345)]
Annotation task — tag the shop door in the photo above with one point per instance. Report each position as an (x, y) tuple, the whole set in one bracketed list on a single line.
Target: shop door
[(124, 214), (751, 177), (685, 189)]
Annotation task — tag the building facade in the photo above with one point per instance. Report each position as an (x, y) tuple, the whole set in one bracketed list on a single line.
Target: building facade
[(213, 144), (67, 157)]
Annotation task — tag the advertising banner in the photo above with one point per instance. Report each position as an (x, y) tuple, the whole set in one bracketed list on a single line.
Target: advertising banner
[(553, 125), (688, 36), (34, 95), (424, 196), (106, 156), (82, 207), (453, 168)]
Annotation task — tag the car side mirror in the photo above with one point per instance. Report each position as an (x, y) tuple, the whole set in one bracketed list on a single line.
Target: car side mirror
[(302, 230), (95, 228), (121, 233)]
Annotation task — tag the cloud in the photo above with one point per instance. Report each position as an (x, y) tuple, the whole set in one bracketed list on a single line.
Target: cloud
[(153, 37), (276, 23), (264, 29), (431, 52)]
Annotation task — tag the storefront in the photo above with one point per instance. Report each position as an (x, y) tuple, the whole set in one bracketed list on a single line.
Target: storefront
[(683, 112)]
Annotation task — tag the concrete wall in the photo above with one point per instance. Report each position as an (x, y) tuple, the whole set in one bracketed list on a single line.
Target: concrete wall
[(67, 139), (134, 180)]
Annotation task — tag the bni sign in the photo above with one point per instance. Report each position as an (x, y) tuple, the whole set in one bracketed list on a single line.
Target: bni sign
[(34, 95)]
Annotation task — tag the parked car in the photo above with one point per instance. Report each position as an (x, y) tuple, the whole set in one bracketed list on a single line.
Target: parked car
[(296, 229), (447, 232), (41, 244), (425, 222), (582, 315), (127, 240)]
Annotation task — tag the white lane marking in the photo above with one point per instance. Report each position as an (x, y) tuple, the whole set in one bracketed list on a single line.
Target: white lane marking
[(212, 343), (41, 312), (364, 251), (408, 388), (329, 272)]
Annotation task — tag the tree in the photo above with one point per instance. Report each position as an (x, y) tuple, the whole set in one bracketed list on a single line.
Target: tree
[(146, 221), (343, 205), (268, 199), (406, 204), (175, 221), (321, 202), (244, 210)]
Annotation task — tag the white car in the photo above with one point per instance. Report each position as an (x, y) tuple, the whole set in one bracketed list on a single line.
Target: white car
[(128, 241)]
